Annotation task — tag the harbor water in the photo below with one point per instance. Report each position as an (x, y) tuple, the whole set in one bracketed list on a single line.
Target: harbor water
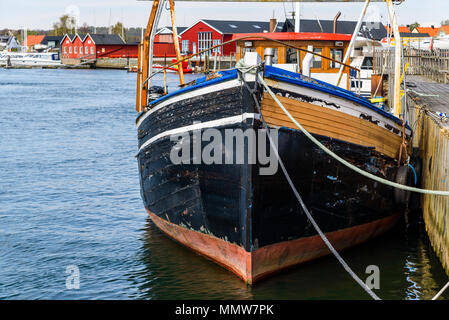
[(69, 197)]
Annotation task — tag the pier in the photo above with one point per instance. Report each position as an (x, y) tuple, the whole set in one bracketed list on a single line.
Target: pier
[(426, 90), (428, 102)]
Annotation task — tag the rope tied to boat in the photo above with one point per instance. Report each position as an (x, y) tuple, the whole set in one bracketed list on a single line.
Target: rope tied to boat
[(298, 197), (343, 161), (260, 79)]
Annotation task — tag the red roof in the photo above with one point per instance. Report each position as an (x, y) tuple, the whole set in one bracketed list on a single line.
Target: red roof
[(286, 36), (402, 29), (433, 32), (34, 39)]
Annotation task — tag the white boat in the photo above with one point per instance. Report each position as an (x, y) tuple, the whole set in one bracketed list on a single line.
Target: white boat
[(30, 59), (362, 58)]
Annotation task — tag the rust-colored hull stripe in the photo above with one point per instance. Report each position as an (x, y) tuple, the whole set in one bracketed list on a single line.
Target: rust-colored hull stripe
[(253, 266)]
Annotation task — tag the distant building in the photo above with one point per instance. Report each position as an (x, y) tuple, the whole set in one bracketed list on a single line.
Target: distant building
[(431, 31), (94, 46), (9, 43), (52, 41), (205, 34), (33, 40), (376, 31), (402, 29)]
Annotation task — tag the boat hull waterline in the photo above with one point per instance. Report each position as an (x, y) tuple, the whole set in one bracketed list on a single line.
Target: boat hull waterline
[(250, 223)]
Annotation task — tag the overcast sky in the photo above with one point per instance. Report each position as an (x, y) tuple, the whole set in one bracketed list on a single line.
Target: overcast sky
[(42, 14)]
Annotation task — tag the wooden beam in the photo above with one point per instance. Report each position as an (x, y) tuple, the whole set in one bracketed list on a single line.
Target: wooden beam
[(176, 42), (146, 53)]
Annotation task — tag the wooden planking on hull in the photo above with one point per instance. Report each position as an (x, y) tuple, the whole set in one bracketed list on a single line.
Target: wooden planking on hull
[(331, 123)]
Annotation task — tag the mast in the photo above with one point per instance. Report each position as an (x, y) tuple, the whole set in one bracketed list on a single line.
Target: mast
[(351, 44), (397, 60), (146, 54), (176, 42)]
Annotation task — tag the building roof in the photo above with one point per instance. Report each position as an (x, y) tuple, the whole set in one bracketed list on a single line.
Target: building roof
[(288, 36), (5, 39), (34, 39), (169, 30), (375, 31), (51, 38), (402, 29), (432, 31), (414, 35), (235, 26), (100, 39)]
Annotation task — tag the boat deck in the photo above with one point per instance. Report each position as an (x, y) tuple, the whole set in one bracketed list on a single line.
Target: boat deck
[(431, 95)]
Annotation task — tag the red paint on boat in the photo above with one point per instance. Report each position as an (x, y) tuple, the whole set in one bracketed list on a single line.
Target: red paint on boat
[(253, 266)]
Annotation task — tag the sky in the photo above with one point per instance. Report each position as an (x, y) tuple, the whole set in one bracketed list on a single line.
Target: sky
[(41, 14)]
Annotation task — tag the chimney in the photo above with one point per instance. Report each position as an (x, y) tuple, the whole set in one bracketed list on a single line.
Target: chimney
[(273, 23), (433, 27), (335, 21)]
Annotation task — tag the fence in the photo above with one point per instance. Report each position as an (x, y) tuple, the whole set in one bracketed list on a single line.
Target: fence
[(430, 64)]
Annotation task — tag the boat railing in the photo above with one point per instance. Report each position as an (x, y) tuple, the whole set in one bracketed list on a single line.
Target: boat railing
[(286, 44)]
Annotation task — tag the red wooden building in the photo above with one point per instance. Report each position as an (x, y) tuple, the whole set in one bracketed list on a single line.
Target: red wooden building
[(94, 46), (208, 33)]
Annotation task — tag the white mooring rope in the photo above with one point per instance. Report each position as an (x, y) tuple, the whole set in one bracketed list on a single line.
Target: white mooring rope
[(309, 216), (343, 161)]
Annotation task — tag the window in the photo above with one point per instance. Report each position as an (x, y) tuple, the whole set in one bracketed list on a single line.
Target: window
[(185, 45), (76, 49), (233, 26), (70, 49), (81, 50), (86, 50), (367, 63), (336, 54), (216, 43), (65, 50), (316, 59), (204, 41), (91, 50)]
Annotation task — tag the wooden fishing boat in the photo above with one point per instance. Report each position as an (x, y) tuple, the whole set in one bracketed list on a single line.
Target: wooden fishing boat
[(249, 222)]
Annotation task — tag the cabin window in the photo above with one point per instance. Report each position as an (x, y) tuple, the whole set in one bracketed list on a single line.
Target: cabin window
[(367, 63), (317, 61), (204, 41), (336, 54), (185, 45), (216, 43)]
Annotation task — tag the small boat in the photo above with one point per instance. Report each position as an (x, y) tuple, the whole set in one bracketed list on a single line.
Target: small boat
[(30, 59), (241, 212)]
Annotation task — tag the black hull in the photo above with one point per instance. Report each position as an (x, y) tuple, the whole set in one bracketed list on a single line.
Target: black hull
[(236, 204)]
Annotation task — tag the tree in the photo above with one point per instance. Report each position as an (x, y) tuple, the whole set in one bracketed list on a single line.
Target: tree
[(119, 29), (84, 28), (413, 26), (65, 25)]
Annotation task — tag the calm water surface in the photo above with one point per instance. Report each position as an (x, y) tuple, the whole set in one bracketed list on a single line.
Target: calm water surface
[(69, 195)]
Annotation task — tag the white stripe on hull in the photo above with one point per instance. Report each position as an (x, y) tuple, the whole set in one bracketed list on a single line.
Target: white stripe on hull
[(191, 94)]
